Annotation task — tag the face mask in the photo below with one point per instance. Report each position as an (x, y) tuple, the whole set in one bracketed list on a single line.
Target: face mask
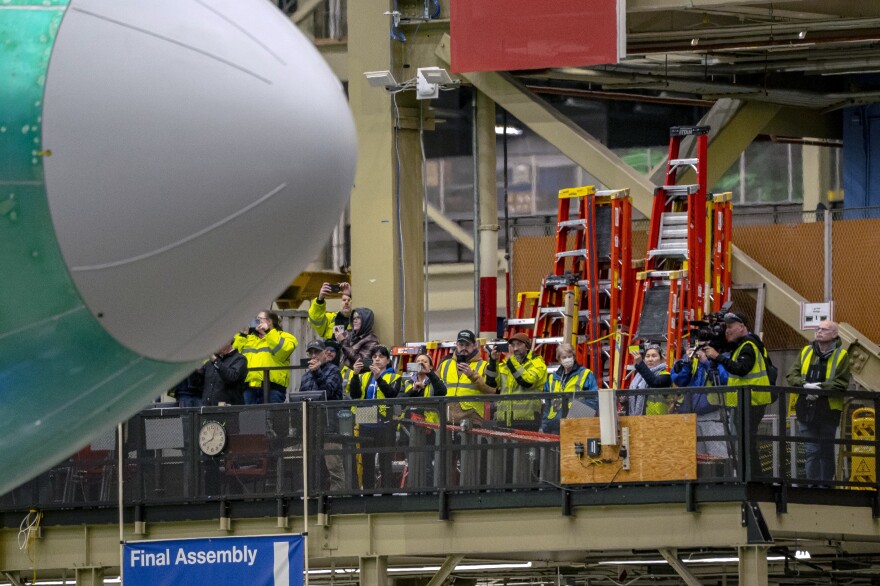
[(567, 362)]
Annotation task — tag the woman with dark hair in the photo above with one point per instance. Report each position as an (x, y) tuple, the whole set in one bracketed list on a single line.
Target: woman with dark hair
[(425, 383), (375, 422), (651, 373), (360, 341)]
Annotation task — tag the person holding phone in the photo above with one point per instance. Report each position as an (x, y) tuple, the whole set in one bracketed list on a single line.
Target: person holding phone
[(380, 381), (331, 325), (463, 373), (651, 373), (265, 344), (424, 382)]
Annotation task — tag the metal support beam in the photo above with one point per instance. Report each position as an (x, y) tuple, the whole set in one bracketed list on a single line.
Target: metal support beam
[(445, 569), (574, 142), (14, 580), (386, 203), (487, 222), (753, 566), (305, 9), (93, 576), (374, 570), (671, 557)]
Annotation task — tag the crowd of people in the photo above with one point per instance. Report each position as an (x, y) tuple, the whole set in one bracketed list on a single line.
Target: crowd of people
[(347, 361)]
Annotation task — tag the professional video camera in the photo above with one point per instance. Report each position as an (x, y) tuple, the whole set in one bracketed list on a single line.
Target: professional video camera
[(710, 332)]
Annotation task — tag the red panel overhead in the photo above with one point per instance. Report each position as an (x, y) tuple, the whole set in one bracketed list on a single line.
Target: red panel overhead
[(504, 35)]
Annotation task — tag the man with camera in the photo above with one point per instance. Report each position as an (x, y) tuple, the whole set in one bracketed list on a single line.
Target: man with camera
[(264, 344), (323, 375), (821, 366), (331, 325), (463, 374), (748, 365), (521, 372)]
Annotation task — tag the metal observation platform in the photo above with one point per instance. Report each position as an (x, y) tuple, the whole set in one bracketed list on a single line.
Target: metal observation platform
[(417, 500)]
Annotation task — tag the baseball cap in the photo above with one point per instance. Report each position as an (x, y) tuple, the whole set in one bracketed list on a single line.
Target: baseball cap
[(735, 317), (332, 345), (520, 337), (466, 336), (316, 345)]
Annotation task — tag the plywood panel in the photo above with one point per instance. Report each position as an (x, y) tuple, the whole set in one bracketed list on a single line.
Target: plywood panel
[(662, 448)]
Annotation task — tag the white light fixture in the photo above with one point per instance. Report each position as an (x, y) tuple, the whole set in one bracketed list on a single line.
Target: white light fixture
[(381, 79), (508, 130), (429, 80)]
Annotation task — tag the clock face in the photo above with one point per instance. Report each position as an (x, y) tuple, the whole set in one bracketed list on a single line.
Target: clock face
[(212, 438)]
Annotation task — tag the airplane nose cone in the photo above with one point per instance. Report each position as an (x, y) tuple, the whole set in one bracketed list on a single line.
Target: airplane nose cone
[(200, 154)]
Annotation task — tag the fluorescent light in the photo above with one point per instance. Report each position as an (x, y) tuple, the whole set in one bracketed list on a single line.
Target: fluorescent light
[(426, 569), (508, 130)]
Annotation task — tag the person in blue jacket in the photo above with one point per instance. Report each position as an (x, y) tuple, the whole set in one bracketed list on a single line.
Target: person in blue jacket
[(699, 372)]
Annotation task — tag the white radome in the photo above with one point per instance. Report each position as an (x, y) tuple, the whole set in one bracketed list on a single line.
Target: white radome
[(201, 152)]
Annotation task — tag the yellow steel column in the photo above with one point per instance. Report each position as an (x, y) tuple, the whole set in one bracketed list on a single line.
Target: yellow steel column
[(386, 229), (816, 166), (752, 565), (374, 570)]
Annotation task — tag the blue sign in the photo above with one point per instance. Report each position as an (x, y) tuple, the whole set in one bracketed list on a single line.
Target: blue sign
[(273, 560)]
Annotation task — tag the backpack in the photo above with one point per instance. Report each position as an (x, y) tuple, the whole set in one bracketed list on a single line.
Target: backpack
[(772, 371)]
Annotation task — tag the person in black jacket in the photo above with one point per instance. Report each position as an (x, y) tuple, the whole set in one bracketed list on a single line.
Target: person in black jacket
[(223, 377), (323, 375)]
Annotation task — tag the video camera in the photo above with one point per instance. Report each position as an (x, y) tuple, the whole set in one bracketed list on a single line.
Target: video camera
[(710, 332)]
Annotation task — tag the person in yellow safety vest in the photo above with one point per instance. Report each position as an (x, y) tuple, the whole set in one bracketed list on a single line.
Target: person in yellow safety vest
[(822, 365), (570, 377), (380, 381), (651, 373), (425, 383), (463, 374), (265, 344), (747, 366), (331, 325), (522, 372)]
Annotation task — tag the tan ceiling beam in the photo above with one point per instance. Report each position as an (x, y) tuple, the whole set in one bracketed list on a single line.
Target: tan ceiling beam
[(305, 9), (574, 142), (671, 557), (655, 5), (445, 569)]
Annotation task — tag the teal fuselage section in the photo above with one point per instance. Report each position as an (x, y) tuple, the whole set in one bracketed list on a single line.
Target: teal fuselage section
[(63, 378)]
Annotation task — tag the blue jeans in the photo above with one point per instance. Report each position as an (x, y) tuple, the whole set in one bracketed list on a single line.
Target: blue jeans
[(254, 396), (189, 401), (820, 463)]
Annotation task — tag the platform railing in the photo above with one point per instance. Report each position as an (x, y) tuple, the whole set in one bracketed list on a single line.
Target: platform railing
[(410, 446)]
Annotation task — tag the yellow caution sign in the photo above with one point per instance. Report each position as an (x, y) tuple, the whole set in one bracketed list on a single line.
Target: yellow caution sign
[(862, 462)]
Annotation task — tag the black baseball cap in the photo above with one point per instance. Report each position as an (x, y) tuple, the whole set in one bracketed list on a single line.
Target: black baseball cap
[(466, 336), (316, 345), (734, 317)]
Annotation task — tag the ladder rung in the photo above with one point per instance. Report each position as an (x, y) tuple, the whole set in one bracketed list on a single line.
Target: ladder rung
[(673, 244), (680, 162), (668, 252), (681, 190), (677, 231), (557, 340), (549, 310), (521, 321), (579, 252), (674, 219), (572, 224)]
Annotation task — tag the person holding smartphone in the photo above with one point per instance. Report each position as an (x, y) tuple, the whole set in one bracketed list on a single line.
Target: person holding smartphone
[(331, 325), (380, 381), (464, 373), (424, 382)]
